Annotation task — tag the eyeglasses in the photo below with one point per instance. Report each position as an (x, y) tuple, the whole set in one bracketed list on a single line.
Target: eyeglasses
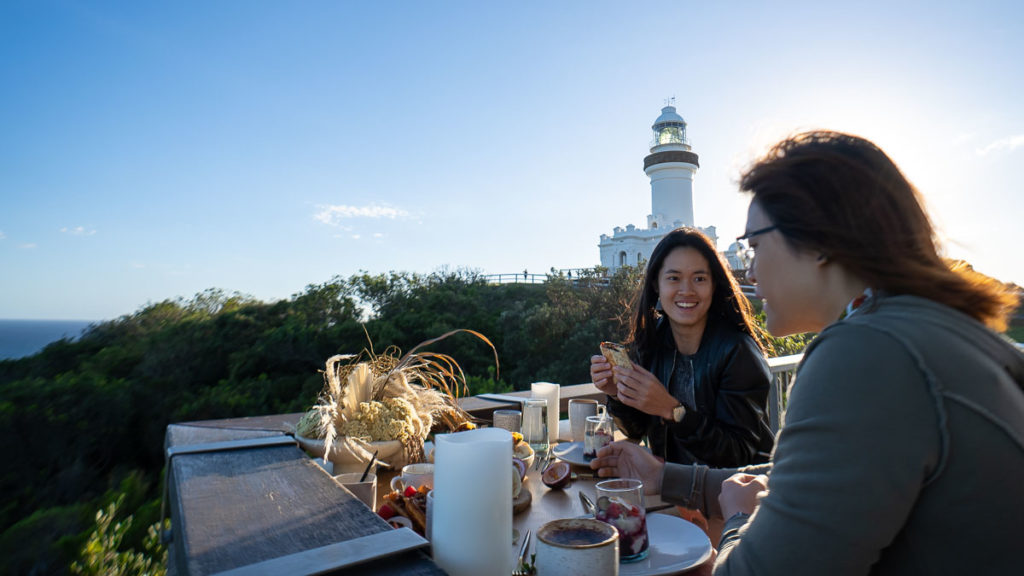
[(747, 251), (750, 235)]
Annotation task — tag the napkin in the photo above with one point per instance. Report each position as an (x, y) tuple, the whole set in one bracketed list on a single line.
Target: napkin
[(472, 510)]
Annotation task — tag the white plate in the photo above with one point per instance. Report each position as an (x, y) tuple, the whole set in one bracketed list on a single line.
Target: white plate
[(675, 545), (571, 452)]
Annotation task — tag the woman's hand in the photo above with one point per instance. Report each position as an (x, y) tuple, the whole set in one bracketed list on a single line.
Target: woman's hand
[(624, 459), (638, 388), (742, 493), (601, 374)]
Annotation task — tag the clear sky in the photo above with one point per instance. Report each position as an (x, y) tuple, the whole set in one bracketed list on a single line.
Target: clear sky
[(154, 150)]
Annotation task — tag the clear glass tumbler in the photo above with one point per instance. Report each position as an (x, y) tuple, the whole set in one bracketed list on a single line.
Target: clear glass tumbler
[(535, 424), (620, 502), (597, 433)]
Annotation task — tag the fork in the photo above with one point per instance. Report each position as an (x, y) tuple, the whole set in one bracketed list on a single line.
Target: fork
[(518, 570)]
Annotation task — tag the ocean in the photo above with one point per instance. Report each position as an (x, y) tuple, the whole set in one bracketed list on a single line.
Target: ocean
[(19, 338)]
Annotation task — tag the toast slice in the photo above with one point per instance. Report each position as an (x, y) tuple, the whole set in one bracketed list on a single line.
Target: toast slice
[(616, 354)]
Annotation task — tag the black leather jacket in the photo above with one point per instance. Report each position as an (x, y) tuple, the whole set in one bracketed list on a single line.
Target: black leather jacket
[(726, 422)]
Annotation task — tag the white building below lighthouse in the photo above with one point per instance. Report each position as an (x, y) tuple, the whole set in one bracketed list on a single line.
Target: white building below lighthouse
[(671, 166)]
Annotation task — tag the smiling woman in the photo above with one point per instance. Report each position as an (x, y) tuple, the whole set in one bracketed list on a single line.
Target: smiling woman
[(699, 384)]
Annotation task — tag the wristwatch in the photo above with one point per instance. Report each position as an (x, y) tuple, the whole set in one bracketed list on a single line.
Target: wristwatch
[(678, 412)]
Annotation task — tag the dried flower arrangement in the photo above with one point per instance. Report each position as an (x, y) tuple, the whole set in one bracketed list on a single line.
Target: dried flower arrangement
[(374, 398)]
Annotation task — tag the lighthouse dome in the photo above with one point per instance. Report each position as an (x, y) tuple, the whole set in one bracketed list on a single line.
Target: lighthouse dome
[(668, 115)]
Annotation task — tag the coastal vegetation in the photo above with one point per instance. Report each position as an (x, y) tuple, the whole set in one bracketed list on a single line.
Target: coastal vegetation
[(82, 422)]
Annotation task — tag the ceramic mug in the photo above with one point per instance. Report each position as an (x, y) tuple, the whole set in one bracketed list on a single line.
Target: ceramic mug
[(579, 409), (415, 475), (577, 546), (510, 420)]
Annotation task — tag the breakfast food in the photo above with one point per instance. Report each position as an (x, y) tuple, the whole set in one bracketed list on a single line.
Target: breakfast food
[(594, 441), (631, 522), (406, 508), (556, 475), (616, 354), (520, 448)]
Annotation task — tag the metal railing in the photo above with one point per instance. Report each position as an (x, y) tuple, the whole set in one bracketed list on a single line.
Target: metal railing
[(783, 370)]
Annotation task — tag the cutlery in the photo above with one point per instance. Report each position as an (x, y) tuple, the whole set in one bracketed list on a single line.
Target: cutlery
[(588, 504), (518, 570)]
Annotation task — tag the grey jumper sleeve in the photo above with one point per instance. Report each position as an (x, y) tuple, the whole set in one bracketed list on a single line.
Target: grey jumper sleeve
[(861, 436)]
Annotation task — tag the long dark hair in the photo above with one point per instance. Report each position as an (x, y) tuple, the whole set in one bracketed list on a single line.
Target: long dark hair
[(728, 304), (842, 196)]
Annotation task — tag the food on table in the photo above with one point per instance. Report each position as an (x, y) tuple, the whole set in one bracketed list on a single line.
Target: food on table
[(557, 475), (594, 442), (520, 448), (629, 519), (406, 508), (616, 354), (517, 483), (520, 466)]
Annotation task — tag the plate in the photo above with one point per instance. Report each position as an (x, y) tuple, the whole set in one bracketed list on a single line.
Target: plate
[(676, 545), (571, 452)]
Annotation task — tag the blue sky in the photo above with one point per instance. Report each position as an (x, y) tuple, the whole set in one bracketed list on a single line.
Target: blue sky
[(150, 151)]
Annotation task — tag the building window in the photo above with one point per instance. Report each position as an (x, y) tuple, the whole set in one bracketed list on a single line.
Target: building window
[(622, 258), (639, 258)]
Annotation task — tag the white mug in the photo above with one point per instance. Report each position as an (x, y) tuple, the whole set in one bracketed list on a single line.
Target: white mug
[(577, 546), (415, 475), (579, 409)]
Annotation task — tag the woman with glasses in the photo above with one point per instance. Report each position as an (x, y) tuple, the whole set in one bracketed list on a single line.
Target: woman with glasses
[(903, 445), (698, 387)]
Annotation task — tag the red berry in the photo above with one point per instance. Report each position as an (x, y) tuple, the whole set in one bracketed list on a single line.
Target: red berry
[(409, 492), (385, 511)]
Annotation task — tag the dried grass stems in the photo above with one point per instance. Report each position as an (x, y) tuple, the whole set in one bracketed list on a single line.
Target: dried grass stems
[(430, 382)]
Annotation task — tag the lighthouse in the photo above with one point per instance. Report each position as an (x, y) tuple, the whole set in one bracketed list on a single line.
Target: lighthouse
[(671, 166)]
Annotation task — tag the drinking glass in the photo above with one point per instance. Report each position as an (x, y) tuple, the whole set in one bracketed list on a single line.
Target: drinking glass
[(535, 424), (620, 502), (597, 434)]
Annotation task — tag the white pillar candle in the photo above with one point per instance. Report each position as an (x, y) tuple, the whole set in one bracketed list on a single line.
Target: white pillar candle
[(472, 512), (549, 392)]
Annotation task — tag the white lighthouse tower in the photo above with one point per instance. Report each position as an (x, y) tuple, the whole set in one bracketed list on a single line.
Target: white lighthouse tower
[(671, 166)]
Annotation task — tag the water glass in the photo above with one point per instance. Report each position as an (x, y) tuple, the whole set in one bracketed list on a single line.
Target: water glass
[(620, 502), (535, 424)]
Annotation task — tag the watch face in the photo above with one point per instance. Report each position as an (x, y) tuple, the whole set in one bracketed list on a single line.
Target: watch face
[(678, 412)]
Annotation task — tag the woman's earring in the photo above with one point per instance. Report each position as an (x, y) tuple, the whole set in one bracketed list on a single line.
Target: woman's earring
[(657, 306)]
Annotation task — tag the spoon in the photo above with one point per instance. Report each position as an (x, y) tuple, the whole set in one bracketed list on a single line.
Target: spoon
[(588, 504)]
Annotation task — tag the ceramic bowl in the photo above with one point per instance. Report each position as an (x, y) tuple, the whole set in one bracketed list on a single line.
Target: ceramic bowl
[(345, 460)]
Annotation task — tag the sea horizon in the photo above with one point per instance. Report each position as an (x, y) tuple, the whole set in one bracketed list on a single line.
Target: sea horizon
[(25, 337)]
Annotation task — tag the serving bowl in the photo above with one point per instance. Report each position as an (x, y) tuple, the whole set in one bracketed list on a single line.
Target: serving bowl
[(345, 460)]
